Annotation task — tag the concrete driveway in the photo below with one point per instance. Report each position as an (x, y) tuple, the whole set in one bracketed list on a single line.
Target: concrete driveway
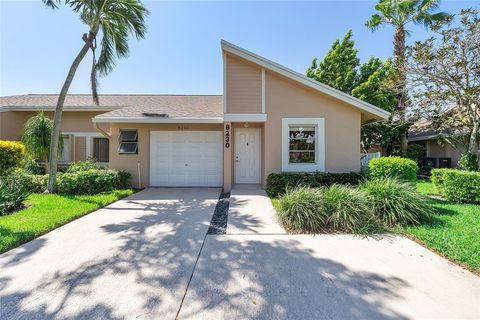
[(137, 259), (132, 259)]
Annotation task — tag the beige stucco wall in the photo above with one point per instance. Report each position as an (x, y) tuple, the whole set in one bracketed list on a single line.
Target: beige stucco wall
[(444, 149), (11, 122), (243, 86), (130, 162), (287, 99)]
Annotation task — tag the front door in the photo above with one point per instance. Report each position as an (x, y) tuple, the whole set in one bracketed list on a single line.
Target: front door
[(247, 155)]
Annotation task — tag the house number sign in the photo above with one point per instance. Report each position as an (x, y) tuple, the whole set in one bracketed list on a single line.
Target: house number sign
[(227, 136)]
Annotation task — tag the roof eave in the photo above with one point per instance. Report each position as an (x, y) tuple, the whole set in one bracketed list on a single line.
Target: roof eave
[(157, 120), (275, 67)]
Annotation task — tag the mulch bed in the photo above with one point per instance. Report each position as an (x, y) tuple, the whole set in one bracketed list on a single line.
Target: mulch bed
[(218, 225)]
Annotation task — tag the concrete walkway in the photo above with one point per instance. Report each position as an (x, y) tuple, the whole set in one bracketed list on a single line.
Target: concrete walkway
[(130, 260), (251, 212), (257, 271)]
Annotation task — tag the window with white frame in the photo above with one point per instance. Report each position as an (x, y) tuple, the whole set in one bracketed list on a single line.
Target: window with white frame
[(128, 141), (303, 144)]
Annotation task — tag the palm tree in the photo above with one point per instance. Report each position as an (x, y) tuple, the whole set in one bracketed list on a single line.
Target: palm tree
[(36, 136), (115, 20), (399, 13)]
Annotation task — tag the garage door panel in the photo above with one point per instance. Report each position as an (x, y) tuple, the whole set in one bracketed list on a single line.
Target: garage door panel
[(193, 158)]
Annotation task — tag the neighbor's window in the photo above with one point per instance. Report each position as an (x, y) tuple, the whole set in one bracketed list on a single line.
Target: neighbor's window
[(128, 141), (100, 149), (302, 144)]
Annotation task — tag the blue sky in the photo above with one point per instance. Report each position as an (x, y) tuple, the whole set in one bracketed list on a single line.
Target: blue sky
[(181, 53)]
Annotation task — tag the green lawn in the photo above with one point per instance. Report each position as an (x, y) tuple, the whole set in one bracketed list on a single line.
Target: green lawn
[(453, 231), (47, 212)]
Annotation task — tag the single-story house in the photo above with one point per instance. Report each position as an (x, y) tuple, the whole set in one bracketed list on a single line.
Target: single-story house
[(269, 119)]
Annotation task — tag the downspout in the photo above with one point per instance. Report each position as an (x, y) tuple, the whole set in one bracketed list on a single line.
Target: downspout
[(103, 132)]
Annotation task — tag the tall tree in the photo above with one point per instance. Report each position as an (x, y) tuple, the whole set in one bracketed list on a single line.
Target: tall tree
[(339, 67), (444, 72), (400, 13), (36, 136), (115, 20)]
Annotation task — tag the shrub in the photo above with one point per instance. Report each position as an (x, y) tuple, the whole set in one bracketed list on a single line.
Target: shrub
[(416, 152), (278, 183), (393, 167), (300, 209), (395, 201), (13, 191), (83, 165), (458, 185), (85, 182), (122, 179), (11, 155), (438, 176), (468, 161), (335, 208), (347, 209)]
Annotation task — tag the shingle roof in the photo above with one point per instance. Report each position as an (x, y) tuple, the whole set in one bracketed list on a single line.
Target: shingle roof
[(125, 105), (171, 107)]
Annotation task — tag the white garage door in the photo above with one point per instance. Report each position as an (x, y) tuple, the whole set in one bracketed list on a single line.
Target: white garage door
[(186, 158)]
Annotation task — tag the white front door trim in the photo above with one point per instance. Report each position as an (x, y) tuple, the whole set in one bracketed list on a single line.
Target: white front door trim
[(248, 148)]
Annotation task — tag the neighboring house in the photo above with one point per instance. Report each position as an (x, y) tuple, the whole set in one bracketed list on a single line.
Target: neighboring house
[(269, 119), (438, 152)]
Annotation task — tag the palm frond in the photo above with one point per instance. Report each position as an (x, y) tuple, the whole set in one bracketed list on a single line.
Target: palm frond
[(120, 18), (52, 3)]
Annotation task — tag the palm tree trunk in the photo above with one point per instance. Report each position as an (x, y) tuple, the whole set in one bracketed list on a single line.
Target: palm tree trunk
[(58, 119), (399, 52)]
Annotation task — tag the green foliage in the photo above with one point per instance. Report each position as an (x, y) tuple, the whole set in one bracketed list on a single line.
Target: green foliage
[(416, 152), (395, 202), (468, 161), (86, 177), (279, 183), (122, 179), (13, 192), (438, 177), (83, 165), (299, 209), (372, 84), (36, 135), (347, 209), (11, 155), (91, 181), (400, 12), (457, 185), (47, 212), (385, 134), (334, 208), (339, 67), (393, 167), (452, 229)]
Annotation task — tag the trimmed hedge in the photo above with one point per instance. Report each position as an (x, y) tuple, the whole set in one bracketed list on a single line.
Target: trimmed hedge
[(279, 183), (384, 167), (457, 185), (11, 155), (93, 181)]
